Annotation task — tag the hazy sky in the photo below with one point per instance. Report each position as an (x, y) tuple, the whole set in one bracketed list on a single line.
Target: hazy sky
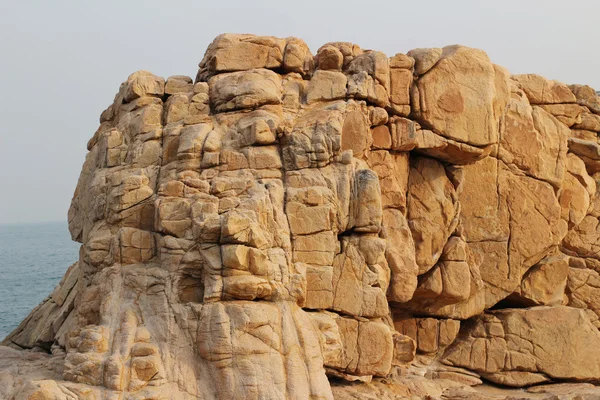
[(61, 62)]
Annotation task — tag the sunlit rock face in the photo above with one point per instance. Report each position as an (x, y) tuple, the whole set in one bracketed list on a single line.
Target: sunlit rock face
[(299, 226)]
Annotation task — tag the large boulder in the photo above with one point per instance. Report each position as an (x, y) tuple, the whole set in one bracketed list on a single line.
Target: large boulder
[(462, 97), (241, 52), (521, 347), (243, 90), (496, 222), (586, 96)]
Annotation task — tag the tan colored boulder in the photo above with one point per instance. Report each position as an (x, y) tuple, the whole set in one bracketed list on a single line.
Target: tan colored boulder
[(355, 349), (329, 58), (588, 151), (236, 340), (382, 139), (483, 216), (494, 208), (378, 116), (369, 77), (519, 347), (436, 146), (405, 350), (363, 86), (374, 63), (355, 131), (49, 389), (297, 56), (582, 292), (533, 141), (369, 347), (467, 107), (316, 249), (453, 288), (174, 216), (589, 121), (244, 90), (143, 83), (540, 90), (406, 135), (312, 209), (425, 59), (257, 128), (365, 204), (392, 170), (523, 250), (431, 335), (568, 114), (544, 284), (133, 246), (401, 79), (330, 338), (400, 256), (561, 389), (326, 85), (199, 104), (402, 61), (583, 239), (584, 135), (234, 52), (360, 277), (177, 108), (586, 96), (432, 210), (315, 139), (348, 50), (577, 192), (178, 84)]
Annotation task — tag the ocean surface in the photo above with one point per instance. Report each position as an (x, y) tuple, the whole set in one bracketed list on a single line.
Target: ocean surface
[(33, 259)]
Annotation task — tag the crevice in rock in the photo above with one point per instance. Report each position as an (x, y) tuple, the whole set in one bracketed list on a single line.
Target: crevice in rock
[(347, 233), (513, 301), (190, 286)]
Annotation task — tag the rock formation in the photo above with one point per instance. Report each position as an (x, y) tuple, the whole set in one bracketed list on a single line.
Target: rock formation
[(339, 225)]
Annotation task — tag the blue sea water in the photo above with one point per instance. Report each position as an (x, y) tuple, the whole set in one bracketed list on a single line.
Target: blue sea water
[(33, 259)]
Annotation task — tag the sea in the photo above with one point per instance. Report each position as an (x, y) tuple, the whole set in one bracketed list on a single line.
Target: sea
[(33, 259)]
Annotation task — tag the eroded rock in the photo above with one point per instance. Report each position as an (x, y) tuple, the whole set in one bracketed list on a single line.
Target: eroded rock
[(349, 224), (517, 347)]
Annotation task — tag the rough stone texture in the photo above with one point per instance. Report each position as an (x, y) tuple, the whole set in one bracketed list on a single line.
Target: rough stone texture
[(498, 212), (533, 141), (344, 225), (432, 210), (540, 90), (544, 283), (430, 335), (443, 98), (517, 347)]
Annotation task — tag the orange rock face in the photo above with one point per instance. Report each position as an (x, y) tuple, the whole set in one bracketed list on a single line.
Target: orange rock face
[(343, 225)]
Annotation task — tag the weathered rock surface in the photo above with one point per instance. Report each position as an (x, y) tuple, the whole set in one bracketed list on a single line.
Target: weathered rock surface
[(519, 347), (443, 97), (343, 225)]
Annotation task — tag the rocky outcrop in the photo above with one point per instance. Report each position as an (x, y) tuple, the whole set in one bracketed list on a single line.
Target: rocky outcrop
[(337, 225)]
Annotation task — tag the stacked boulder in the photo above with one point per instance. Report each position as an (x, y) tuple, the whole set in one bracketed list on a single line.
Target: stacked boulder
[(288, 219)]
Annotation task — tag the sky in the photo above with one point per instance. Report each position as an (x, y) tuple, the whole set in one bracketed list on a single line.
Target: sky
[(61, 62)]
